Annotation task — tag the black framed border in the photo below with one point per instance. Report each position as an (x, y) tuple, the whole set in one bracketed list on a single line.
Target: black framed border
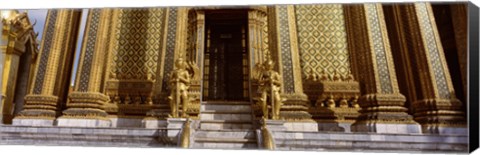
[(473, 70)]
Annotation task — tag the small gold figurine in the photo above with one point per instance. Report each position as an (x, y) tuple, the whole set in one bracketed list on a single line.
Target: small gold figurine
[(331, 102)]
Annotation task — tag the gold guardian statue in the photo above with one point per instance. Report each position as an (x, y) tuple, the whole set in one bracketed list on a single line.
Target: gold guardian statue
[(270, 85), (180, 80)]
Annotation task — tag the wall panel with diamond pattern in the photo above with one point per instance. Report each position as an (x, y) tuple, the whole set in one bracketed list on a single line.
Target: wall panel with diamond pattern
[(322, 39), (139, 43)]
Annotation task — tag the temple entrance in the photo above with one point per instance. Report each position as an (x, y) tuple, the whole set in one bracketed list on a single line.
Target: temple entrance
[(226, 63)]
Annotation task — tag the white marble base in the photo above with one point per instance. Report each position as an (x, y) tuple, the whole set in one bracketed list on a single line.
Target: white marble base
[(445, 130), (370, 141), (301, 126), (226, 107), (339, 127), (32, 122), (276, 125), (126, 122), (72, 122), (211, 125), (221, 116), (174, 126), (387, 128), (175, 123), (153, 123)]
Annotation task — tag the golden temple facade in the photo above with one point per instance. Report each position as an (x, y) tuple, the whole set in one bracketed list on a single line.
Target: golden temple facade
[(375, 68)]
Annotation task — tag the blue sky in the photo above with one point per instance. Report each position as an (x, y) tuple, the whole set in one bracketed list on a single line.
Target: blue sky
[(40, 16)]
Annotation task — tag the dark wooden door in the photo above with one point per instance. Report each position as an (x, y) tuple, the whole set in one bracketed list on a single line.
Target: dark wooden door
[(226, 74)]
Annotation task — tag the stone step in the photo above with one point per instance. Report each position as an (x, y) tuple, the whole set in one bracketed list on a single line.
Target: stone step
[(227, 107), (227, 111), (225, 124), (225, 143), (240, 134), (217, 145), (226, 116), (227, 102), (226, 140)]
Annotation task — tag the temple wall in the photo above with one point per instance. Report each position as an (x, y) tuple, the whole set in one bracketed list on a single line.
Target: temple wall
[(134, 79), (338, 66), (322, 39)]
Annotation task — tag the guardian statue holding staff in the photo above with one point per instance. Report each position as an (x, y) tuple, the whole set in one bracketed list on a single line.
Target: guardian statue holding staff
[(270, 85), (179, 83)]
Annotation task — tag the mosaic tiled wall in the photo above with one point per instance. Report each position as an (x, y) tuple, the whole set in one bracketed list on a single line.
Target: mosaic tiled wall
[(170, 45), (139, 43), (89, 49), (289, 83), (379, 49), (433, 50), (322, 39), (48, 39)]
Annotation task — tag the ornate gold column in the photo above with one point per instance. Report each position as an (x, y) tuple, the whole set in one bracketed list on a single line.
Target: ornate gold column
[(257, 18), (3, 42), (257, 37), (382, 104), (436, 107), (326, 72), (196, 36), (286, 49), (87, 100), (52, 75), (196, 52), (460, 28)]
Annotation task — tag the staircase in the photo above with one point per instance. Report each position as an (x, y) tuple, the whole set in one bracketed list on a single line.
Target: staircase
[(225, 125)]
